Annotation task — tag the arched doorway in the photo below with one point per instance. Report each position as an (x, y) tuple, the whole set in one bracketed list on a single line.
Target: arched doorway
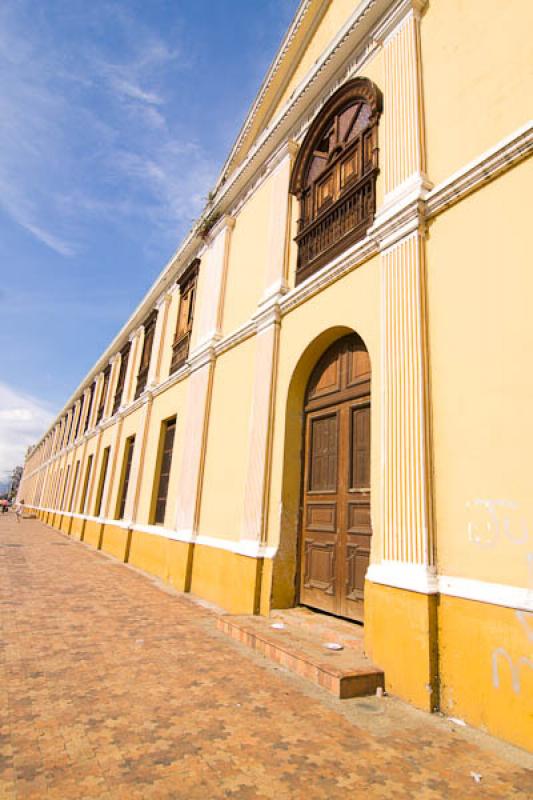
[(336, 530)]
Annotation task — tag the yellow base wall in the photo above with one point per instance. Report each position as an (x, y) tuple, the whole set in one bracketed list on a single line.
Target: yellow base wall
[(486, 667), (92, 532), (65, 524), (115, 541), (165, 558), (401, 637), (227, 579), (76, 528)]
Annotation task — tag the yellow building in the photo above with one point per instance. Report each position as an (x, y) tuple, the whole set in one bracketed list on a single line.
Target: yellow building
[(324, 398)]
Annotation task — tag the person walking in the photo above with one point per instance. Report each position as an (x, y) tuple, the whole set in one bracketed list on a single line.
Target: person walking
[(20, 511)]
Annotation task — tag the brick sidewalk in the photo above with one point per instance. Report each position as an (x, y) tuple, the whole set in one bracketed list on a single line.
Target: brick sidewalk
[(111, 687)]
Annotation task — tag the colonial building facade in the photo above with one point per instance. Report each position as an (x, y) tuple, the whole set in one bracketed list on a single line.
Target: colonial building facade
[(324, 399)]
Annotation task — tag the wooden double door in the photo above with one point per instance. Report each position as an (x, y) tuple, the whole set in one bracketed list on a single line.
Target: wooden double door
[(336, 528)]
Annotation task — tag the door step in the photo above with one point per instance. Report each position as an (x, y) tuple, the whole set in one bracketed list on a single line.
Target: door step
[(299, 646)]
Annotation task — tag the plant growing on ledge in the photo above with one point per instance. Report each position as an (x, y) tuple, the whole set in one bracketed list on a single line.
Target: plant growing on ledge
[(208, 223)]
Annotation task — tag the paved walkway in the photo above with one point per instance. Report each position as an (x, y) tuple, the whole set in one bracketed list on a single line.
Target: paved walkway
[(112, 687)]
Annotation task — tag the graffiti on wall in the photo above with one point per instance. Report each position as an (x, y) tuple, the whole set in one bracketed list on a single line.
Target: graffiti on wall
[(496, 522)]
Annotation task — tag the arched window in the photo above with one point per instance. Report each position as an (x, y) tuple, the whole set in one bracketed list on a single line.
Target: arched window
[(334, 175)]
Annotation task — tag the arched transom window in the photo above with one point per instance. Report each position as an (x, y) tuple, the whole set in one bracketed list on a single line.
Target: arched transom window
[(334, 175)]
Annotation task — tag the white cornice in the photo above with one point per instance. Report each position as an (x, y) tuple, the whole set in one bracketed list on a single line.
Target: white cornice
[(478, 172), (287, 45)]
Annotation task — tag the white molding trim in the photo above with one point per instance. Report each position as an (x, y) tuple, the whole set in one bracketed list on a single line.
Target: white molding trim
[(487, 166), (414, 578), (498, 594), (351, 258), (252, 549), (398, 575), (401, 575)]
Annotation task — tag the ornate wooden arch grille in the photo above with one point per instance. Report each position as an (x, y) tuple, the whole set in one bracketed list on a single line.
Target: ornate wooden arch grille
[(334, 176)]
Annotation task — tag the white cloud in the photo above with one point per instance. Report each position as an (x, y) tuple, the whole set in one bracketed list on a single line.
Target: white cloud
[(125, 88), (23, 420), (82, 116)]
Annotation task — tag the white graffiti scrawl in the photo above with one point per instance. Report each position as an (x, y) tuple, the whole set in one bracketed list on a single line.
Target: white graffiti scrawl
[(496, 522)]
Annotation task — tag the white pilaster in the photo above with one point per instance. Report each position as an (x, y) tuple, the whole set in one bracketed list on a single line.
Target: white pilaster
[(193, 453), (406, 518), (279, 225), (403, 148), (260, 432), (134, 486), (213, 273)]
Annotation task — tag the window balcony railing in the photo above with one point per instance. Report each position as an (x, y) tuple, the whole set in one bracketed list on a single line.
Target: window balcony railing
[(336, 227)]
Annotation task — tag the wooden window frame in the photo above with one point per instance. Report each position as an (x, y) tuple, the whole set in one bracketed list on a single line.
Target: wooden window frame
[(103, 394), (129, 447), (146, 355), (76, 432), (101, 482), (62, 506), (74, 485), (119, 391), (83, 499), (343, 216), (89, 407), (182, 338), (159, 501)]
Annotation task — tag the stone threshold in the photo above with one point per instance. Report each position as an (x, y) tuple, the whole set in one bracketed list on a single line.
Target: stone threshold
[(299, 646)]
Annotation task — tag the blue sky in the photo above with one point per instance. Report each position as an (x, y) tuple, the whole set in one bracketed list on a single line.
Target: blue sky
[(115, 118)]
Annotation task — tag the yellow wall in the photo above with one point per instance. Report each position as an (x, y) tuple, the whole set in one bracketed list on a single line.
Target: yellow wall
[(245, 281), (229, 580), (478, 77), (227, 443), (165, 558), (400, 637), (481, 340), (115, 541), (76, 528), (486, 667), (92, 533)]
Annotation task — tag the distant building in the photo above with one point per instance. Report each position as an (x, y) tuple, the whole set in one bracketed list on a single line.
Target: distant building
[(325, 398)]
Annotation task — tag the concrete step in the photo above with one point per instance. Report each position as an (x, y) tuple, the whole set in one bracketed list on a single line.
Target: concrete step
[(300, 647)]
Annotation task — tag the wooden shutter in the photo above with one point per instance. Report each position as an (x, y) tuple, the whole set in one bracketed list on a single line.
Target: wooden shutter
[(90, 407), (79, 419), (126, 469), (124, 355), (169, 429), (103, 394), (182, 338), (81, 508), (74, 484), (101, 483), (64, 496), (144, 366)]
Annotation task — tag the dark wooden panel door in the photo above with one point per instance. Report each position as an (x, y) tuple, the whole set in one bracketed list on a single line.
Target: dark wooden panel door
[(336, 528)]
